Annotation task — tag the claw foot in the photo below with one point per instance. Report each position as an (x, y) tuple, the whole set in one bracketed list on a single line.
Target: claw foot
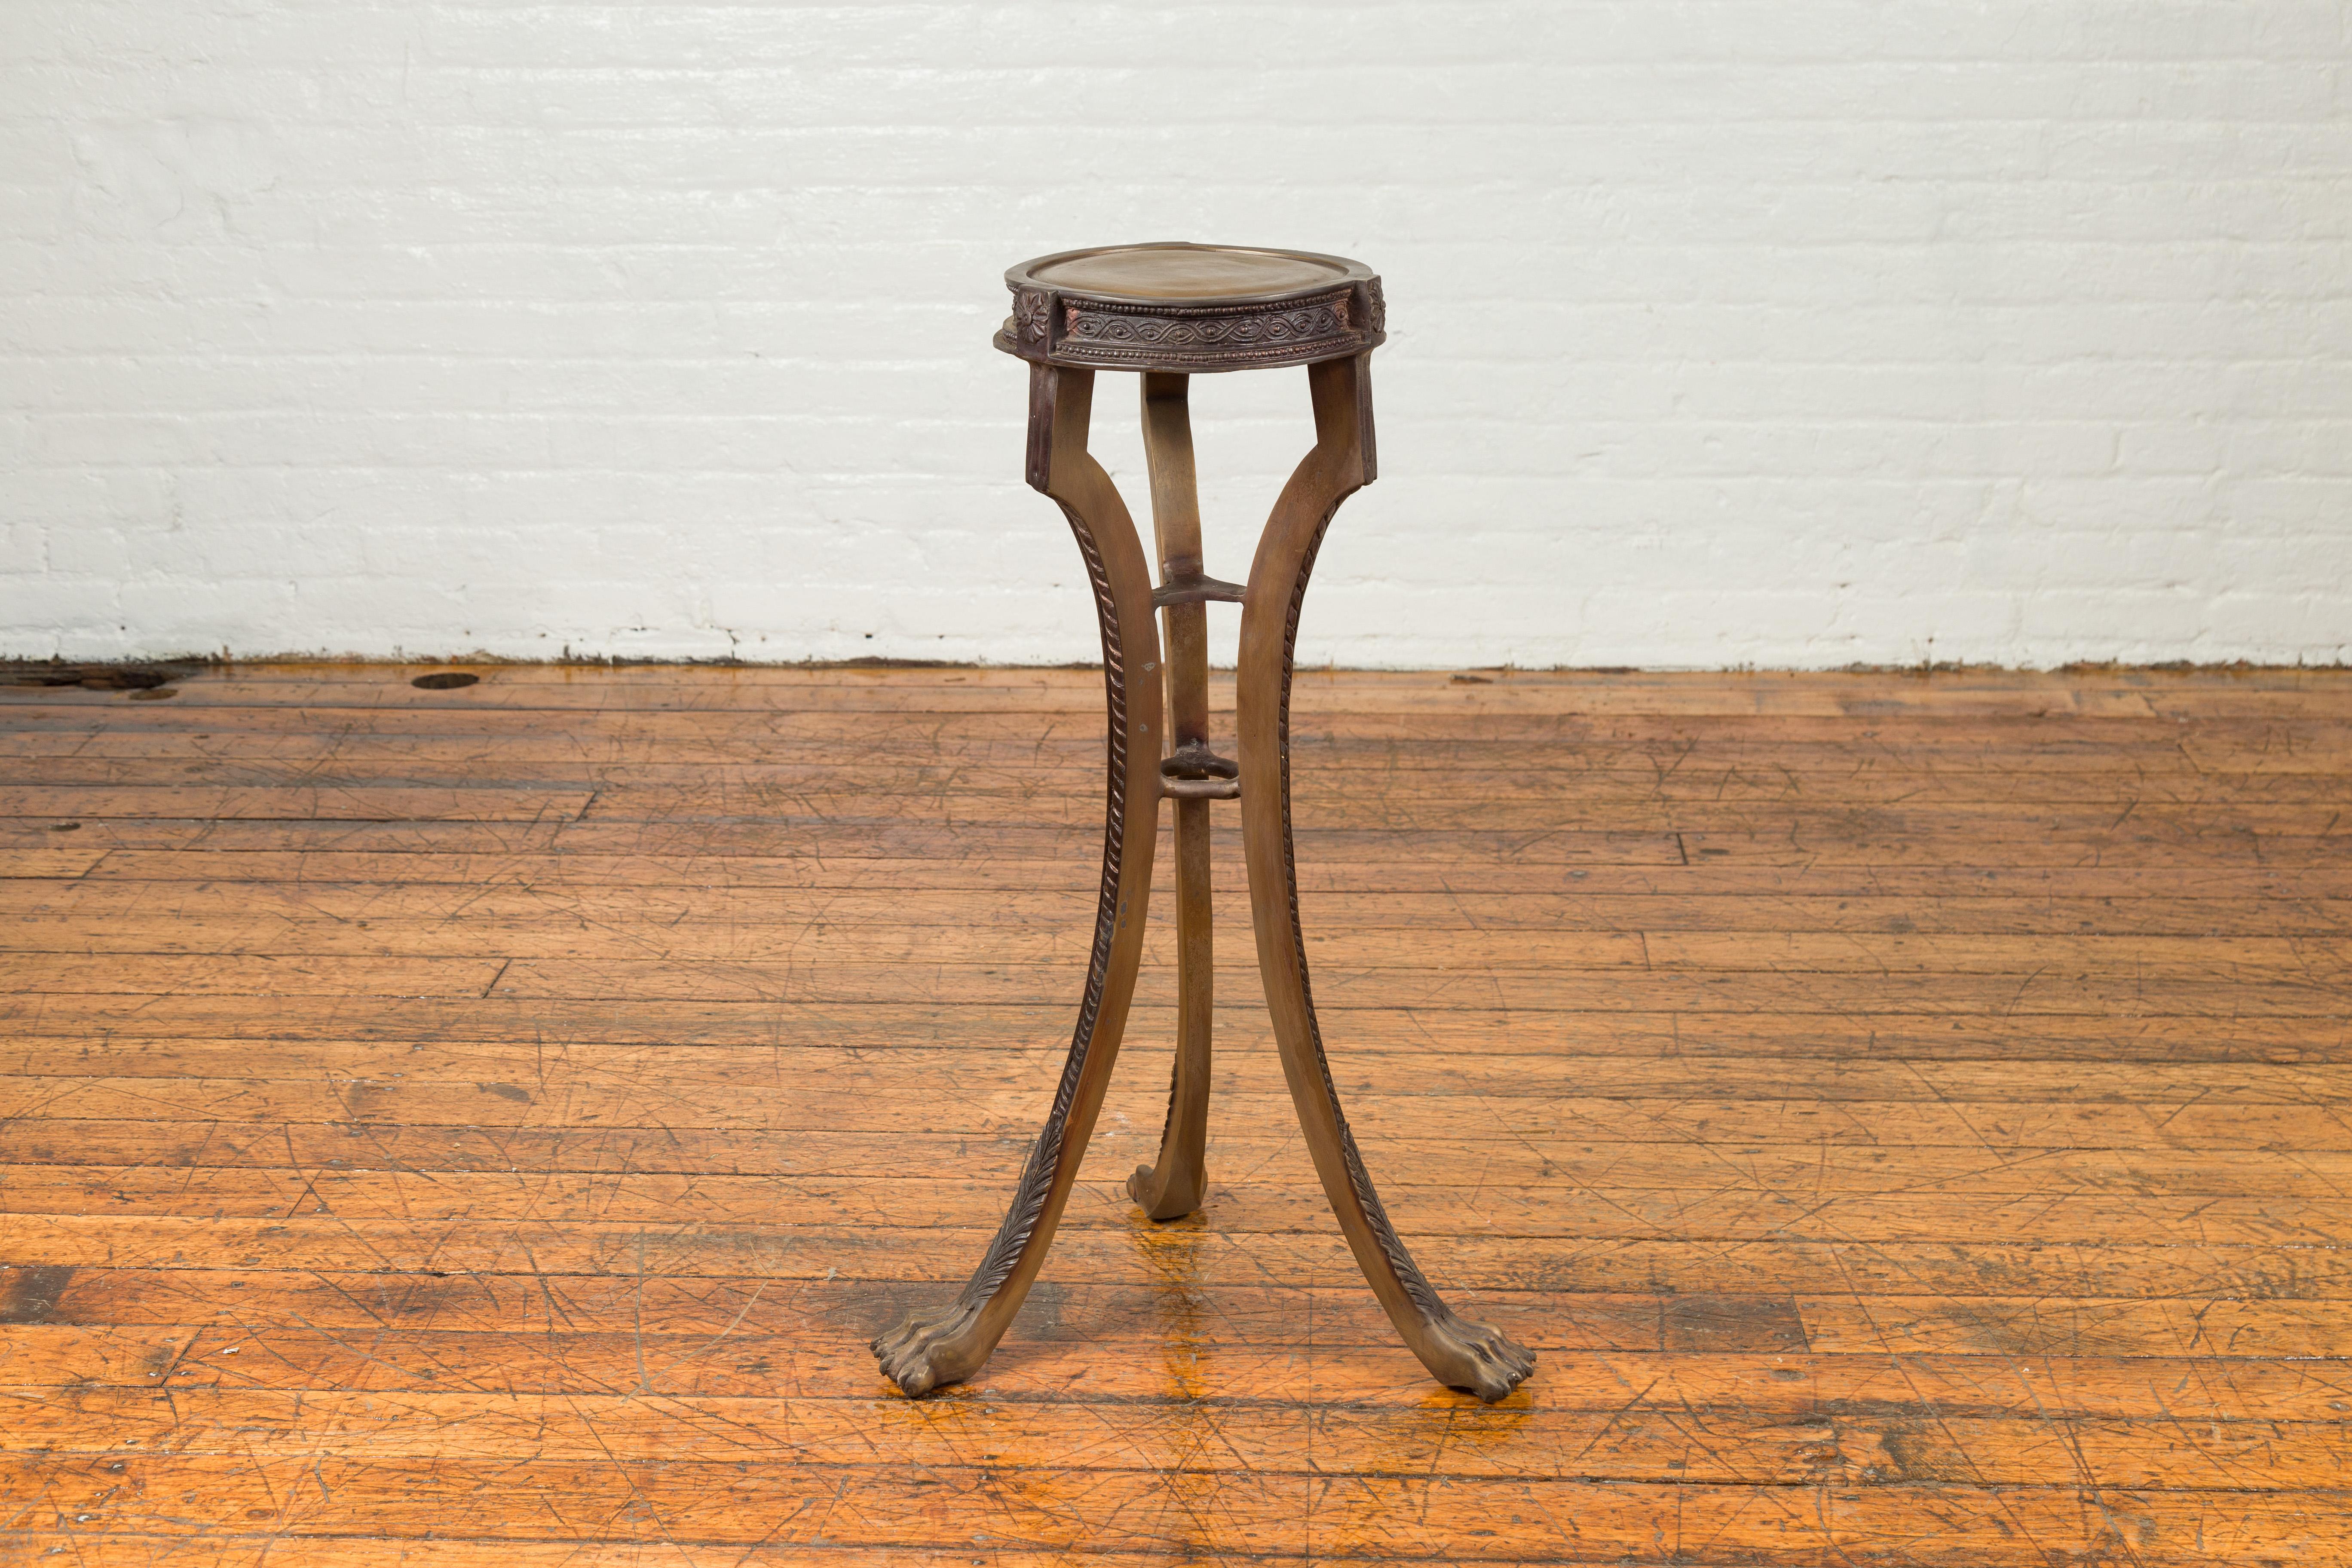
[(932, 1347), (1477, 1357)]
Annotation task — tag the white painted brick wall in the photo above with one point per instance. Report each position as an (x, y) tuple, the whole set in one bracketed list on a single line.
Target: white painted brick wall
[(1724, 330)]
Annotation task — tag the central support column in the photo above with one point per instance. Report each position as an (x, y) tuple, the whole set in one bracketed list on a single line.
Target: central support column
[(1176, 1185)]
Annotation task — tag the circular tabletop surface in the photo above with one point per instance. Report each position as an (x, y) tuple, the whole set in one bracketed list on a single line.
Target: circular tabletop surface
[(1191, 272), (1185, 307)]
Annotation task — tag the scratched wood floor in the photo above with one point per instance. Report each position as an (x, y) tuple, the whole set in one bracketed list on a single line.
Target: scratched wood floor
[(1907, 1114)]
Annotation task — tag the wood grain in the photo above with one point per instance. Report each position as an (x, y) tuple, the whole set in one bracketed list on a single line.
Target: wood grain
[(1909, 1114)]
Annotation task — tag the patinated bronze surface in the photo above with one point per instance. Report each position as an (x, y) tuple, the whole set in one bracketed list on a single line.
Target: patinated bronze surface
[(1191, 307), (1168, 310)]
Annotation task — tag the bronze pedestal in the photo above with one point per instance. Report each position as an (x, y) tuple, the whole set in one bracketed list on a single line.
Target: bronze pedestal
[(1170, 311)]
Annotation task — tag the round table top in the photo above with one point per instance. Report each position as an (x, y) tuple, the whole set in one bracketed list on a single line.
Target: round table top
[(1188, 272), (1185, 307)]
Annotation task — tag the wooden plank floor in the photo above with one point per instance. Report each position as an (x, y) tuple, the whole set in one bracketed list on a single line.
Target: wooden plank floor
[(1907, 1114)]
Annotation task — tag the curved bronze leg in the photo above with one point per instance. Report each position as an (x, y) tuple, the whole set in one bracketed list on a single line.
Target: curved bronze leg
[(1176, 1184), (1457, 1352), (946, 1345)]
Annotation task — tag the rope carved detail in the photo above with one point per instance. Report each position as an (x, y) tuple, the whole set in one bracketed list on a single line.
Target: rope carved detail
[(1417, 1287), (1037, 1176)]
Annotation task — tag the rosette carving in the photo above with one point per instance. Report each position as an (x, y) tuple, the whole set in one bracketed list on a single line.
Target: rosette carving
[(1032, 318)]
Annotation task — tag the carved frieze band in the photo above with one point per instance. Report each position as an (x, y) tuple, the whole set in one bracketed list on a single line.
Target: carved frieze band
[(1113, 333), (1306, 322)]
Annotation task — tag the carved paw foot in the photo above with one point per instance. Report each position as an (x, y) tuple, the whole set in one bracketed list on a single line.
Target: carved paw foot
[(1463, 1354), (932, 1347)]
